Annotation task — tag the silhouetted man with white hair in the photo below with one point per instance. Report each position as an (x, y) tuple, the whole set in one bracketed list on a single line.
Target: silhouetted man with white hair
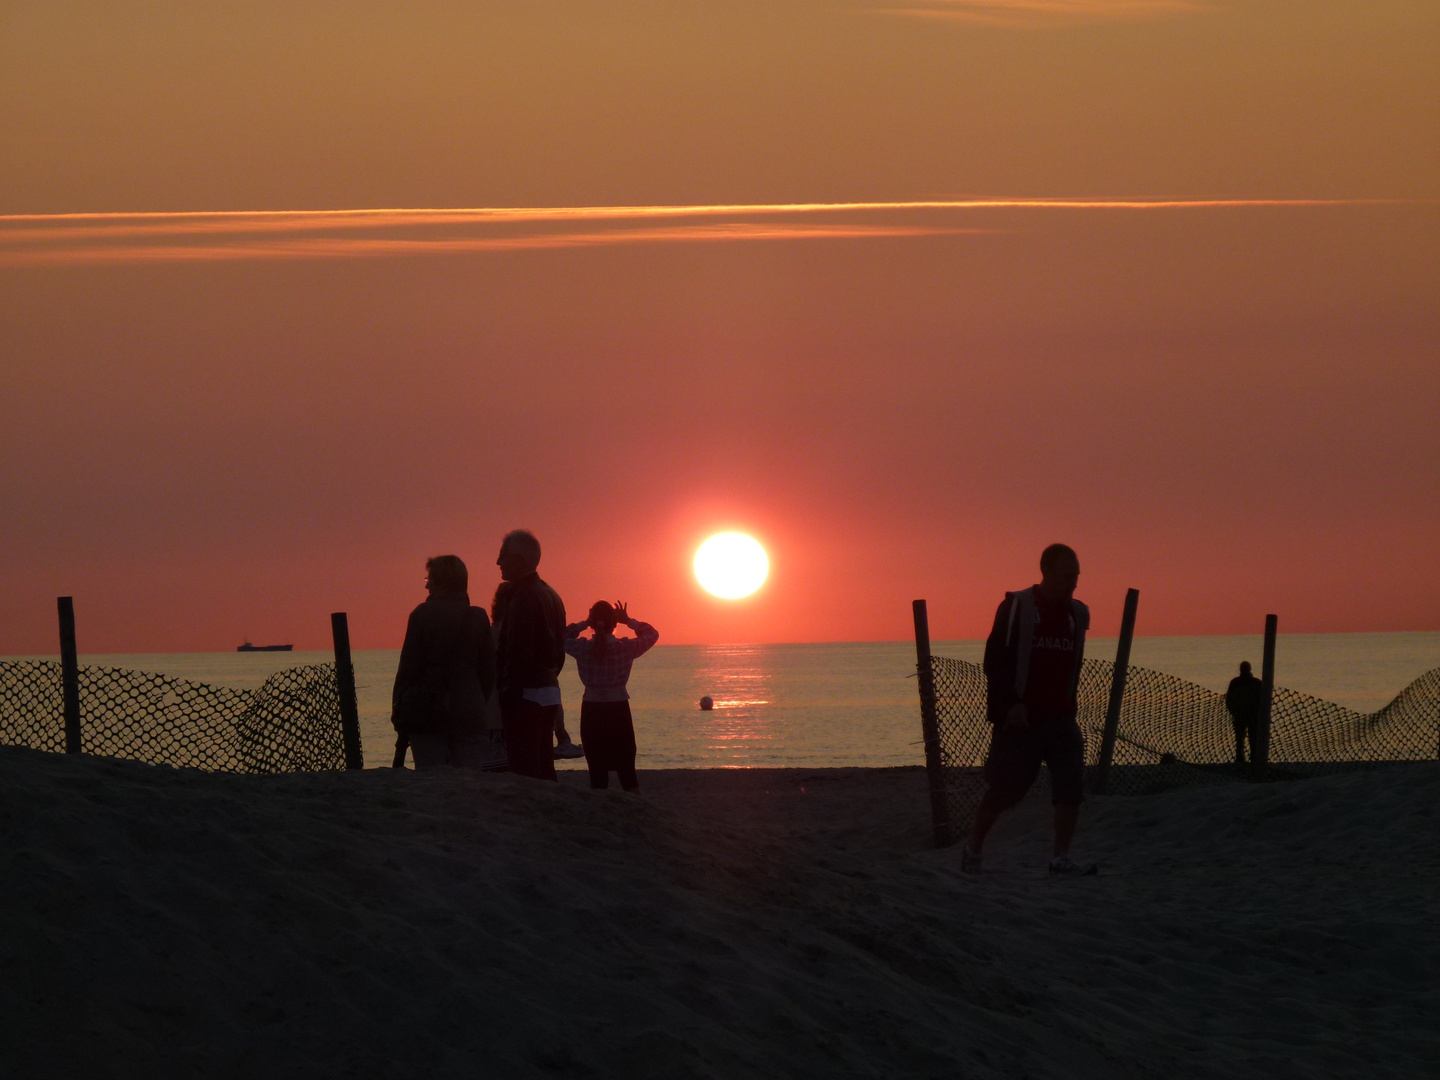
[(529, 653), (1032, 667)]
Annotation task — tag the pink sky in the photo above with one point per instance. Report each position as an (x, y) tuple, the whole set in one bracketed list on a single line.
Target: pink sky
[(212, 426)]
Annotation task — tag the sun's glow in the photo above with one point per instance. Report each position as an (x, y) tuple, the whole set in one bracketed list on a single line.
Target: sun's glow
[(731, 565)]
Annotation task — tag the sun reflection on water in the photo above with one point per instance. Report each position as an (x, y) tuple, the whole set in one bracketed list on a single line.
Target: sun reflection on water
[(739, 681)]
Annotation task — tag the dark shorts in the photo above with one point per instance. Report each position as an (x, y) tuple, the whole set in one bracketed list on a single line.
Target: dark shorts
[(1016, 754)]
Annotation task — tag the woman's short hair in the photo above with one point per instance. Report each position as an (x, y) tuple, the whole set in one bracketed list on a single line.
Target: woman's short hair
[(447, 574), (602, 614)]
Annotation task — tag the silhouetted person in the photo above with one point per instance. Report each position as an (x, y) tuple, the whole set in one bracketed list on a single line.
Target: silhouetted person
[(1245, 698), (564, 745), (1032, 666), (446, 673), (529, 653), (606, 729)]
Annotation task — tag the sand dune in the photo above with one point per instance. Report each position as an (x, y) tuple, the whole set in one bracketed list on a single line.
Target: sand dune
[(781, 923)]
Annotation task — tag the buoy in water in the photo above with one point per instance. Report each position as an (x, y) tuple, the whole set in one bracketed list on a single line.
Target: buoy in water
[(707, 703)]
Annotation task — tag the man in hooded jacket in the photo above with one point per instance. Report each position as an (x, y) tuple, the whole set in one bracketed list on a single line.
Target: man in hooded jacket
[(1032, 668)]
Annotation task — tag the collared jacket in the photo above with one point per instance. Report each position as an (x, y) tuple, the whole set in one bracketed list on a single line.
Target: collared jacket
[(1007, 650), (530, 638), (447, 668)]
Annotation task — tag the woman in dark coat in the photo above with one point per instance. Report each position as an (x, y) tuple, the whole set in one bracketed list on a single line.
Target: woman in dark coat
[(445, 685)]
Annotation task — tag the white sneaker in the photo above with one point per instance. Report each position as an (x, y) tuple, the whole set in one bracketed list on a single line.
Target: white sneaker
[(569, 750), (1064, 866)]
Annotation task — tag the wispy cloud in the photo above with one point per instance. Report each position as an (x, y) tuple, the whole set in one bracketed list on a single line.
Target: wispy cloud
[(372, 247), (1042, 13), (134, 238)]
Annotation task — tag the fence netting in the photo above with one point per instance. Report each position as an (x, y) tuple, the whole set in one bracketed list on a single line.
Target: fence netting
[(1176, 733), (290, 724)]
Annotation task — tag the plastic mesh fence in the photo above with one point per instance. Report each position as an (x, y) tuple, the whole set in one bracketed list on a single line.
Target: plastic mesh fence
[(1176, 733), (290, 724)]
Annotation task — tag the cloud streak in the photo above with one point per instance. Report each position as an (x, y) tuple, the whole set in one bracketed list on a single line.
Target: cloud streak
[(28, 240), (373, 247), (1043, 13)]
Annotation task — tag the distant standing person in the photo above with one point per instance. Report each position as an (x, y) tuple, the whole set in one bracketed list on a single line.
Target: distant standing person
[(1032, 667), (446, 675), (607, 731), (1245, 698), (530, 651)]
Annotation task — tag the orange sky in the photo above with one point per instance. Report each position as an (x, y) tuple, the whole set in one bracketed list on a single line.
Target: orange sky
[(213, 425)]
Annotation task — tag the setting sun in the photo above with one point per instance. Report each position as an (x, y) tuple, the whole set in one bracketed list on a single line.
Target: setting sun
[(731, 565)]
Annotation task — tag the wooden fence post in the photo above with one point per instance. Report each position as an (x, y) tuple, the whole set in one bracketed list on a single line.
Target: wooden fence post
[(1260, 739), (69, 674), (930, 726), (1117, 691), (345, 690)]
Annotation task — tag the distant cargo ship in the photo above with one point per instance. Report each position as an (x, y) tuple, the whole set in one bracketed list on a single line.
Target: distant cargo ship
[(247, 647)]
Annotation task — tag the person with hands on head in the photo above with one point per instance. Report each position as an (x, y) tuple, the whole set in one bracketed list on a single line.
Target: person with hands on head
[(1032, 669), (607, 731)]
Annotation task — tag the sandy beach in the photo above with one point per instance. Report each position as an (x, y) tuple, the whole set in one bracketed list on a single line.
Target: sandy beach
[(776, 923)]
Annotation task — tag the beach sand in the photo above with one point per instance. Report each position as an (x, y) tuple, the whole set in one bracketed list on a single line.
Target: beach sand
[(766, 923)]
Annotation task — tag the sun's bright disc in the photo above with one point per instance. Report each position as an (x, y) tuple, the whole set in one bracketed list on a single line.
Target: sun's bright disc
[(731, 565)]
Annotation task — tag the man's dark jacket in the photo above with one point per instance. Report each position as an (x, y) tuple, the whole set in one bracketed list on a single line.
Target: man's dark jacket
[(1008, 638), (448, 650), (530, 650)]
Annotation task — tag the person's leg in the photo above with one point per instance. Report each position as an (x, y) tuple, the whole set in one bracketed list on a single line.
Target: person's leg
[(625, 747), (528, 730), (1239, 726), (513, 726), (1065, 758), (542, 726), (986, 814), (1011, 767), (595, 746), (429, 750), (1066, 818)]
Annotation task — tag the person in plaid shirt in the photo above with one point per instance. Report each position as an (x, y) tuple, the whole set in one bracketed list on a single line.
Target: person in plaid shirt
[(607, 731)]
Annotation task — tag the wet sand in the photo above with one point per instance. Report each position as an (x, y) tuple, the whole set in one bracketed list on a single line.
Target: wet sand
[(767, 923)]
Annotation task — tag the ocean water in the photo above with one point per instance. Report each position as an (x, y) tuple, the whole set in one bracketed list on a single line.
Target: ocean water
[(831, 704)]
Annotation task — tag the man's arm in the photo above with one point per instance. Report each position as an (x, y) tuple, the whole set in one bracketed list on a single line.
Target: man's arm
[(1000, 667), (412, 655), (517, 631), (485, 660)]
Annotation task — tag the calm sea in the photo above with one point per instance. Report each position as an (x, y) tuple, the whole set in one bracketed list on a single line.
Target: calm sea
[(835, 704)]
